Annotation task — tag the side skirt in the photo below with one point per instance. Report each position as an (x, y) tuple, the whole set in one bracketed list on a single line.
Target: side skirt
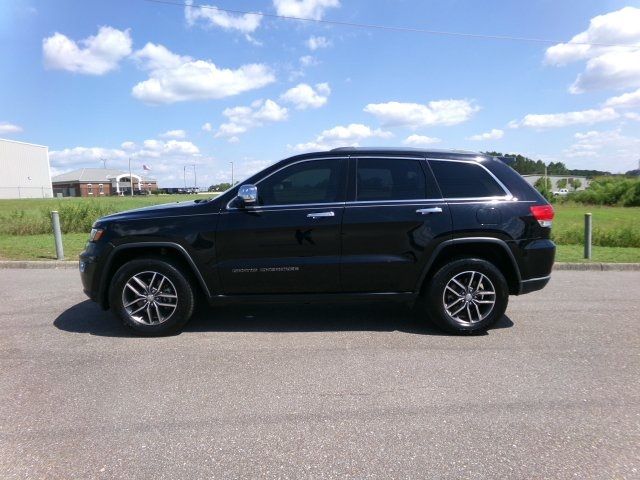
[(314, 298)]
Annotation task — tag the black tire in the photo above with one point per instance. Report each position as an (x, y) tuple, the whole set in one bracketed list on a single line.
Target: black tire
[(436, 293), (177, 311)]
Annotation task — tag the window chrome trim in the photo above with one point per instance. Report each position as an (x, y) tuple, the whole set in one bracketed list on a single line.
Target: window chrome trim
[(507, 196), (317, 159)]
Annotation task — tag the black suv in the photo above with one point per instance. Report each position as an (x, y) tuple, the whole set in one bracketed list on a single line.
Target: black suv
[(453, 232)]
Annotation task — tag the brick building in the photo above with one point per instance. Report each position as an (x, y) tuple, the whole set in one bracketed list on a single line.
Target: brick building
[(100, 182)]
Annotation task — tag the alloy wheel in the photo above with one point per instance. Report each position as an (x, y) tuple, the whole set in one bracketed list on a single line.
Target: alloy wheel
[(149, 298), (469, 297)]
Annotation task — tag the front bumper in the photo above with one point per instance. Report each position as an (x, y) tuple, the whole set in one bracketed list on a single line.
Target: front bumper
[(533, 284), (87, 266)]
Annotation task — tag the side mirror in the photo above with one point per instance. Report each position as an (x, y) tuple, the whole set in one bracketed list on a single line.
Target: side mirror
[(248, 194)]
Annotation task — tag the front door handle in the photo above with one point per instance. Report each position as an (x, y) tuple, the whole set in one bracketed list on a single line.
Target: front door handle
[(427, 211), (321, 215)]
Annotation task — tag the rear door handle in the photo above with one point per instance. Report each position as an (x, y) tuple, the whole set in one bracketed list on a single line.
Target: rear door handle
[(427, 211), (321, 215)]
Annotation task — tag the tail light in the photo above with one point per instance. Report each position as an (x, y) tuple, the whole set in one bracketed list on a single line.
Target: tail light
[(543, 214)]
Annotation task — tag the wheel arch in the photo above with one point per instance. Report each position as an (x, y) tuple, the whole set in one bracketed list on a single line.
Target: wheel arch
[(174, 252), (493, 250)]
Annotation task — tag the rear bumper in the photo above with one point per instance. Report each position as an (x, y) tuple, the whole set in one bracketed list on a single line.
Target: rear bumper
[(536, 264)]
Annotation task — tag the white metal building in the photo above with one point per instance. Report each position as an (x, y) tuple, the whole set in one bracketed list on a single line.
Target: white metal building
[(24, 170)]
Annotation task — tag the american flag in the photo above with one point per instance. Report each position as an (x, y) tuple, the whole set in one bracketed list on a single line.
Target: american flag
[(146, 168)]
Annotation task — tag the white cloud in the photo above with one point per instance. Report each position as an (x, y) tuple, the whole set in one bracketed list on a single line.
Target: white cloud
[(314, 43), (632, 116), (6, 128), (305, 96), (207, 127), (84, 156), (158, 148), (419, 140), (609, 150), (415, 115), (242, 118), (95, 55), (308, 61), (174, 134), (626, 100), (555, 120), (342, 136), (304, 8), (245, 23), (175, 78), (607, 66), (150, 149), (165, 158), (494, 134)]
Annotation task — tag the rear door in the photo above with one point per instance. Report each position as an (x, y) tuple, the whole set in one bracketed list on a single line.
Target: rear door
[(290, 241), (393, 220)]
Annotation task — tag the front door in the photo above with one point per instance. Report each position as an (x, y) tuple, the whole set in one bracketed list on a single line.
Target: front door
[(290, 241), (393, 220)]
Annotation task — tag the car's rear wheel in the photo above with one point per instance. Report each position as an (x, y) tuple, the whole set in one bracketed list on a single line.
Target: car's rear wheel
[(467, 296), (152, 296)]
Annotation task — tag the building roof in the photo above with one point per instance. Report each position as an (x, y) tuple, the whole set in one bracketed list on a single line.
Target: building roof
[(96, 175), (23, 143)]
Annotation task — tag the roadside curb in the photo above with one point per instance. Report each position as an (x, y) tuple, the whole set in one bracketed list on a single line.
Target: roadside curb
[(69, 264), (598, 266), (42, 264)]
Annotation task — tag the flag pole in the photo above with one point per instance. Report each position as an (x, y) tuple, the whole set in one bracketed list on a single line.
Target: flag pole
[(130, 177)]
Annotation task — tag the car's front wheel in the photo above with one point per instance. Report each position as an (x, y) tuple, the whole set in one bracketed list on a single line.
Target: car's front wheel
[(151, 296), (467, 295)]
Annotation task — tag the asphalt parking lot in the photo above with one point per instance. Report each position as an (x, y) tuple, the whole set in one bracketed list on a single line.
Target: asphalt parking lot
[(321, 392)]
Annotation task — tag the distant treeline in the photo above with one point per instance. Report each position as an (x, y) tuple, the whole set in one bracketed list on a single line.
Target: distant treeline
[(527, 166)]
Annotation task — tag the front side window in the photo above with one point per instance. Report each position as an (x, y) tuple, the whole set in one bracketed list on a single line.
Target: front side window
[(465, 180), (316, 181), (390, 179)]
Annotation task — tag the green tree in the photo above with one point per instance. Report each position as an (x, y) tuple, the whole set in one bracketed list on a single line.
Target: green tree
[(576, 183), (562, 183), (543, 185), (220, 187)]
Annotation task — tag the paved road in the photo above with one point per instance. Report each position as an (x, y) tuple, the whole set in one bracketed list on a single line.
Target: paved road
[(330, 392)]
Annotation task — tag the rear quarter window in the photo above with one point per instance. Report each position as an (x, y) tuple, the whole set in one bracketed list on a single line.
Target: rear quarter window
[(465, 180)]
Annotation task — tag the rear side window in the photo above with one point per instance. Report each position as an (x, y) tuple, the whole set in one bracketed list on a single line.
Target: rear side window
[(465, 180), (389, 179)]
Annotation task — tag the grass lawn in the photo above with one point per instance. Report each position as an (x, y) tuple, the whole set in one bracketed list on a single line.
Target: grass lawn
[(611, 224), (41, 247), (574, 253)]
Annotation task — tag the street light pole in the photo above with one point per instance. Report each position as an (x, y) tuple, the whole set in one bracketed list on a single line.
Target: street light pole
[(184, 174), (195, 178), (231, 173)]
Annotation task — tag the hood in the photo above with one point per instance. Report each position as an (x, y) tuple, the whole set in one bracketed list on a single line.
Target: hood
[(163, 210)]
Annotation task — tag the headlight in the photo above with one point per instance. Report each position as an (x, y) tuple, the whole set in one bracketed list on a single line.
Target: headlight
[(96, 234)]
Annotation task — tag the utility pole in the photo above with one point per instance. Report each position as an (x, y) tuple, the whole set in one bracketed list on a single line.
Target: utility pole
[(195, 178), (231, 173), (130, 177), (184, 174)]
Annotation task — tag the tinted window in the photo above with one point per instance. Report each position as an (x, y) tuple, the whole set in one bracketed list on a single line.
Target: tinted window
[(465, 180), (390, 179), (318, 181)]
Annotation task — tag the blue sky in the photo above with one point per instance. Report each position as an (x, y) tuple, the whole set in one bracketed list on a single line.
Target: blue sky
[(170, 86)]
